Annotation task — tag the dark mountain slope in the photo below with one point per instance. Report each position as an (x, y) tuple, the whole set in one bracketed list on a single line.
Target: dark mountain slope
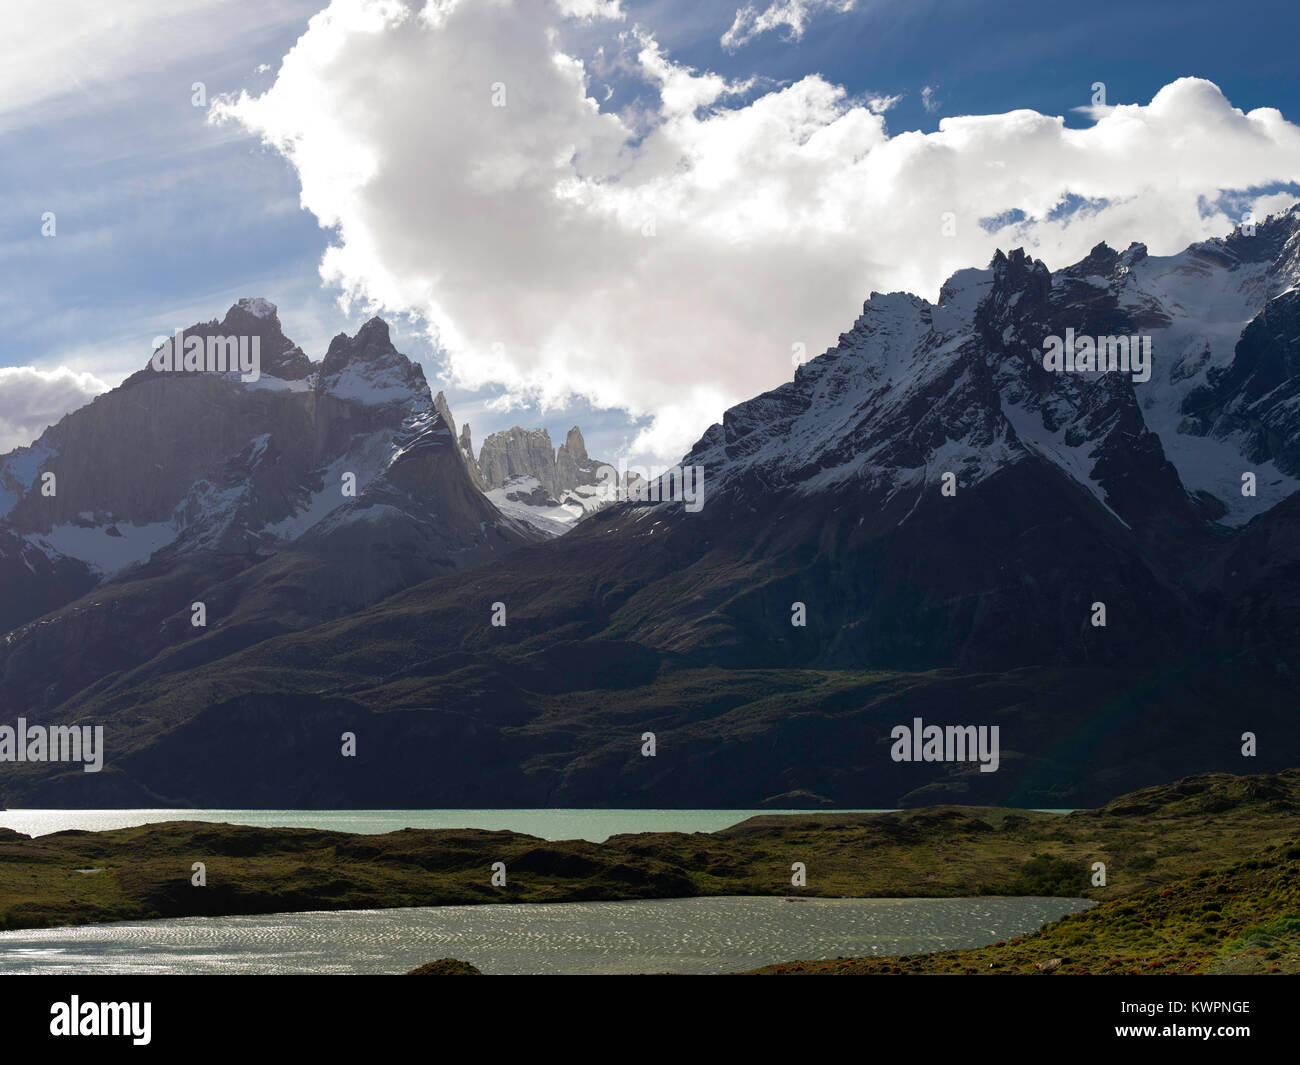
[(949, 514)]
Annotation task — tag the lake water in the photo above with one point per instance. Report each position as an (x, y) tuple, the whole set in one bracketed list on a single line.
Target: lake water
[(716, 935), (594, 825)]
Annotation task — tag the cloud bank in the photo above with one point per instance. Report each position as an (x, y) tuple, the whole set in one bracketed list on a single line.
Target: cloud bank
[(665, 259), (31, 400)]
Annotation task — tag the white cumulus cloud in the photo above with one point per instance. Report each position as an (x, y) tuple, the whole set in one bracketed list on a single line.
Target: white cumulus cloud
[(792, 14), (882, 103), (664, 259)]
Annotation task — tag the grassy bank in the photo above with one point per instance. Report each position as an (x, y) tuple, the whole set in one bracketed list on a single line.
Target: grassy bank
[(1240, 919), (1175, 842)]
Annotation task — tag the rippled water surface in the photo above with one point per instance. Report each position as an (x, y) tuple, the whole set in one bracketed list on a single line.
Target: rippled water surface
[(676, 935)]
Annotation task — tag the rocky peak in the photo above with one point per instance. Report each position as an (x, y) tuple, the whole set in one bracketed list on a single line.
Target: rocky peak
[(518, 452), (574, 445), (371, 344), (963, 384), (1102, 261), (1020, 271), (464, 448), (526, 479), (1266, 241), (466, 444), (369, 368), (259, 307), (440, 405), (280, 357), (1133, 254), (254, 317), (574, 468)]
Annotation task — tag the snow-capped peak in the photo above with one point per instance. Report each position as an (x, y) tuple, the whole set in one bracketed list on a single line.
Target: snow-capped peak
[(914, 390), (258, 307)]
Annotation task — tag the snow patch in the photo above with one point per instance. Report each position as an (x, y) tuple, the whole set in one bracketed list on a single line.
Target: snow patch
[(102, 551), (259, 308), (554, 520)]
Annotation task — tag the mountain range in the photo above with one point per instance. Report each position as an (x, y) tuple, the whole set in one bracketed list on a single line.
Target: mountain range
[(529, 479), (926, 522)]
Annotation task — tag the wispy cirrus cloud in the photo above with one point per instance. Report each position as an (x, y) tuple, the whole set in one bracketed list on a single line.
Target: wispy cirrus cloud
[(64, 56)]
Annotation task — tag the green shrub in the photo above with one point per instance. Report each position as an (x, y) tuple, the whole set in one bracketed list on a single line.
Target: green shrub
[(1046, 875)]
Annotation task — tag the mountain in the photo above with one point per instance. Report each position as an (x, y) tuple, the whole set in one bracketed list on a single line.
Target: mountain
[(951, 519), (310, 492), (529, 479)]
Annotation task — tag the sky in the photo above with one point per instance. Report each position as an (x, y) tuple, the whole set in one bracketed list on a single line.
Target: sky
[(618, 214)]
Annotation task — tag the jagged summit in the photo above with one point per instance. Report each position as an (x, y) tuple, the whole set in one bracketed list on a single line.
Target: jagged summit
[(528, 478), (518, 452), (531, 482), (217, 475), (372, 341), (574, 445), (258, 307), (368, 368), (365, 367), (913, 389)]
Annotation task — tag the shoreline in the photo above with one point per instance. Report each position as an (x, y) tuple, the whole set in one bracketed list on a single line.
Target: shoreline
[(1206, 828)]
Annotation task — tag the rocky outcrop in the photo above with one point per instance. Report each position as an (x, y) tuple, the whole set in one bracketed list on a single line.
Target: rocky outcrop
[(573, 467), (551, 490), (446, 967), (466, 445), (517, 452)]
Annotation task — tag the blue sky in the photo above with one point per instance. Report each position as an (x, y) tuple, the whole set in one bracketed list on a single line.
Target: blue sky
[(164, 218)]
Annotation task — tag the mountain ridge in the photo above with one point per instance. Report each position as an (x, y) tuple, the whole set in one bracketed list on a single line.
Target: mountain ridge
[(947, 511)]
